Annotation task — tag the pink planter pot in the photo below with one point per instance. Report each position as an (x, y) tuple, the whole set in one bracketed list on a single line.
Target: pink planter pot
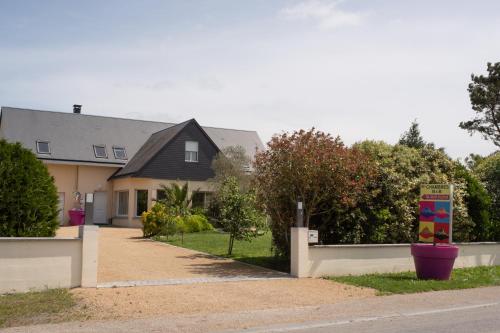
[(434, 262), (76, 217)]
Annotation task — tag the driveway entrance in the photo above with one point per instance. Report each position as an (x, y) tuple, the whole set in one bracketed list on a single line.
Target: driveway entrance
[(125, 256)]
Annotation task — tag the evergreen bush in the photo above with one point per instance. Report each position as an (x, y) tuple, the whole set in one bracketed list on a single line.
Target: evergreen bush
[(28, 196)]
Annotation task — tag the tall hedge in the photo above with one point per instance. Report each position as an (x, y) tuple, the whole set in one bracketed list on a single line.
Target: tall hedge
[(387, 210), (478, 204), (488, 171), (28, 196)]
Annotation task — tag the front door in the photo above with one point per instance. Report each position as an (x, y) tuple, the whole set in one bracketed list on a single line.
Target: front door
[(100, 208)]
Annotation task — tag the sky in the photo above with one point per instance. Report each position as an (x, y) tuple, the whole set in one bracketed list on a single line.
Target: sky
[(353, 68)]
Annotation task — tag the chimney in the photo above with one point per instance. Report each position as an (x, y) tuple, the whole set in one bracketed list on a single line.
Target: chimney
[(77, 108)]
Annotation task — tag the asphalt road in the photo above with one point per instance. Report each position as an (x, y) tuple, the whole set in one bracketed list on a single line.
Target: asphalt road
[(478, 319)]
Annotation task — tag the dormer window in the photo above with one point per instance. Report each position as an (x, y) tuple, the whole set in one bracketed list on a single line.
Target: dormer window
[(43, 147), (120, 153), (100, 151), (191, 151)]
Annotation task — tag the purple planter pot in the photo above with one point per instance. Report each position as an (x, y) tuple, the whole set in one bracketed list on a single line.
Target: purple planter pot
[(76, 217), (434, 261)]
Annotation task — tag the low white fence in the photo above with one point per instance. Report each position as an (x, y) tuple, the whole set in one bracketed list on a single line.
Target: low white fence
[(336, 260), (36, 263)]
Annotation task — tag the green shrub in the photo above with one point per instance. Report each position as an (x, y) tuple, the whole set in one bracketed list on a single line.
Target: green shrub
[(158, 220), (28, 196), (192, 224), (198, 223), (387, 210), (478, 205), (205, 225), (163, 220), (488, 171)]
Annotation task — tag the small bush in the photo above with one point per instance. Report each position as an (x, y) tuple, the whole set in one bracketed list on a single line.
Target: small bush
[(162, 220), (156, 221), (192, 224), (28, 196), (197, 223), (205, 225)]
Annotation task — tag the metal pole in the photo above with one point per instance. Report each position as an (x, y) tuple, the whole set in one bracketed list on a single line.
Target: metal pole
[(300, 214), (451, 214)]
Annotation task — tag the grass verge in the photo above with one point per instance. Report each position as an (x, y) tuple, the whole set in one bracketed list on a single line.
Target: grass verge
[(46, 306), (258, 251), (406, 283)]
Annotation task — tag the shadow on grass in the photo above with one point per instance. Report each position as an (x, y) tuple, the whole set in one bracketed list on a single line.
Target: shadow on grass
[(220, 267)]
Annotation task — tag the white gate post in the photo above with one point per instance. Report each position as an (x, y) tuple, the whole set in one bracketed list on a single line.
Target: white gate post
[(299, 252), (89, 236)]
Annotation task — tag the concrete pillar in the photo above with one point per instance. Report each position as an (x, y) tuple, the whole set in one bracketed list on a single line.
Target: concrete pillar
[(299, 252), (89, 236)]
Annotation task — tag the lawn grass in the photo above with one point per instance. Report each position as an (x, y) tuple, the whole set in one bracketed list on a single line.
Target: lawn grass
[(35, 307), (406, 283), (258, 251)]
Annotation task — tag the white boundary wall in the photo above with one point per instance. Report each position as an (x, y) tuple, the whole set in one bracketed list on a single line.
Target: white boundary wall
[(37, 263), (336, 260)]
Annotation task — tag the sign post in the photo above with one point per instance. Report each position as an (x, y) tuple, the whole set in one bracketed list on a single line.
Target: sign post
[(436, 213), (435, 261), (300, 214)]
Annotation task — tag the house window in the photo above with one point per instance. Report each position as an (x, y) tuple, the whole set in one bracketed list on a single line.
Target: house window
[(100, 151), (161, 195), (201, 199), (198, 200), (141, 202), (43, 147), (191, 151), (122, 203), (120, 153)]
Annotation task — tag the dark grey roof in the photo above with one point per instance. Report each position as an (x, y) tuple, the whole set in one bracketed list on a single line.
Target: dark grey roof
[(72, 136), (152, 146)]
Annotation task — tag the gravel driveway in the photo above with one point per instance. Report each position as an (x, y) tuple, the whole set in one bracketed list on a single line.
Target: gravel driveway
[(125, 255)]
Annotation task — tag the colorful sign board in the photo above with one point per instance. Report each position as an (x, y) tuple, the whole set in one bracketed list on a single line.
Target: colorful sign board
[(436, 213)]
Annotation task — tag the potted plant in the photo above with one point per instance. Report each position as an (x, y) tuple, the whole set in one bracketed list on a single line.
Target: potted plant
[(434, 261)]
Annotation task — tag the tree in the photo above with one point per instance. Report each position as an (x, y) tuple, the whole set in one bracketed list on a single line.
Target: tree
[(412, 137), (176, 197), (239, 215), (310, 165), (478, 204), (484, 94), (387, 212), (28, 196), (488, 171), (232, 161), (473, 160)]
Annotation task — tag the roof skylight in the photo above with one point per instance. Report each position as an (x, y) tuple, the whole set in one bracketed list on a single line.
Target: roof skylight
[(120, 153), (100, 151), (43, 147)]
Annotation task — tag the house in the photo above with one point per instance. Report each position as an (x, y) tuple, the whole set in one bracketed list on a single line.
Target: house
[(114, 167)]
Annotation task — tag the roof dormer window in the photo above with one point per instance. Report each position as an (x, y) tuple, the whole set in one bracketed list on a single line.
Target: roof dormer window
[(191, 151), (100, 151), (120, 153), (43, 147)]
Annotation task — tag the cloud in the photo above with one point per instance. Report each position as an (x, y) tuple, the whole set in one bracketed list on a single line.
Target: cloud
[(326, 13)]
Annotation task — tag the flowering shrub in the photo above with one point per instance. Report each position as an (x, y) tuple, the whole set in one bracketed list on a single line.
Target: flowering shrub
[(156, 220), (165, 221)]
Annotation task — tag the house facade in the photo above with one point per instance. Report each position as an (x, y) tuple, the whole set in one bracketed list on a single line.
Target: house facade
[(114, 167)]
